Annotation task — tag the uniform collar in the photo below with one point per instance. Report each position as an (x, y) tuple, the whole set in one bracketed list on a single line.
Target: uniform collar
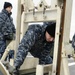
[(6, 12)]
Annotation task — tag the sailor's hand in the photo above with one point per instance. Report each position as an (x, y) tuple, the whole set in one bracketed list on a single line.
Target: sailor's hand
[(16, 71)]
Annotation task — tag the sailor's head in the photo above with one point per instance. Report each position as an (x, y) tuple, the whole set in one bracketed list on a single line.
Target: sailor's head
[(8, 6), (50, 32)]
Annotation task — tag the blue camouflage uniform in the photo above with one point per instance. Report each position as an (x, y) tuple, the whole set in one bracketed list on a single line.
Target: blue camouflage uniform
[(73, 41), (6, 27), (34, 42)]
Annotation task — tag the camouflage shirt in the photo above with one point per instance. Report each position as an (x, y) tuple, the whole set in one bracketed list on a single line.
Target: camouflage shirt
[(35, 43)]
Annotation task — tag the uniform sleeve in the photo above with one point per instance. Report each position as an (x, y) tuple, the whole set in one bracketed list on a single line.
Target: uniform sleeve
[(25, 45), (48, 23), (2, 25), (13, 26)]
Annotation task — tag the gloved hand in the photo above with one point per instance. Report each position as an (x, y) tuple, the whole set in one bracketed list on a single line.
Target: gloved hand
[(10, 36), (16, 71)]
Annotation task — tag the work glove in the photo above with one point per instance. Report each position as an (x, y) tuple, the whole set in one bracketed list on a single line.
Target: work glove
[(12, 69), (10, 36), (16, 71), (8, 66)]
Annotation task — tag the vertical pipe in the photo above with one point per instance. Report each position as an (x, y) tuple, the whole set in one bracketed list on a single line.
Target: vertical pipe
[(56, 43), (18, 27), (61, 38), (65, 31), (39, 70)]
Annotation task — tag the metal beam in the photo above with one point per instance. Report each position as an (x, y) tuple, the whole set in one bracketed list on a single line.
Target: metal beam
[(55, 3), (57, 34), (67, 22), (41, 69), (64, 39), (38, 16), (18, 27)]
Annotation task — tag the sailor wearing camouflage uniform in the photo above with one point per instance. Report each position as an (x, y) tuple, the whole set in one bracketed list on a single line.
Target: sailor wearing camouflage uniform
[(7, 27), (73, 41), (39, 41)]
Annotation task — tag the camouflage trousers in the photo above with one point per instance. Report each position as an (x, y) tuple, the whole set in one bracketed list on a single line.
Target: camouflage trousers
[(2, 47)]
